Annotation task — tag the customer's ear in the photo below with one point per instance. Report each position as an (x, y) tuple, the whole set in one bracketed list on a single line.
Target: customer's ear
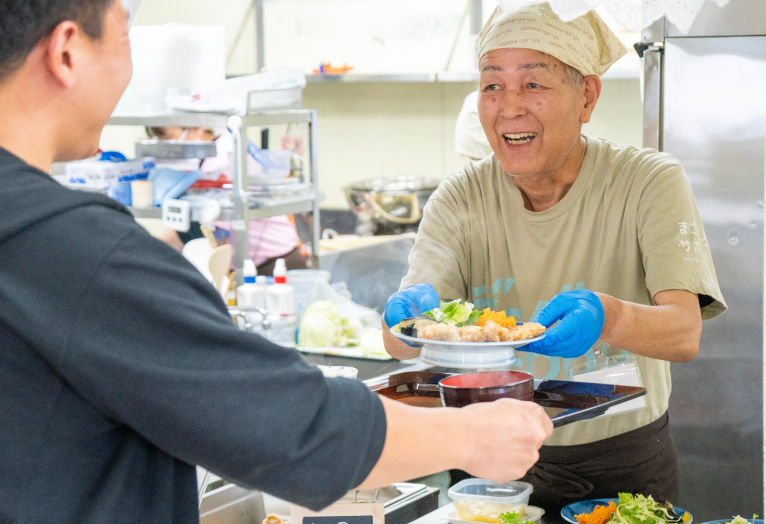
[(64, 52)]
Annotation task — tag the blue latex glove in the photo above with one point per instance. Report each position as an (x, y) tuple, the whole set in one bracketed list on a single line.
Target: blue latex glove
[(581, 318), (410, 302)]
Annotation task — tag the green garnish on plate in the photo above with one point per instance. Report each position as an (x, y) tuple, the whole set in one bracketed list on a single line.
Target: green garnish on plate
[(454, 313), (513, 518)]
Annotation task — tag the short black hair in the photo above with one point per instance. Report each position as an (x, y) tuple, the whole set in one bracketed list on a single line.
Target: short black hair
[(23, 23)]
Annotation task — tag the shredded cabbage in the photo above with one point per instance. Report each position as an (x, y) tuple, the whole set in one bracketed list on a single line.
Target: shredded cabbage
[(638, 509), (741, 520)]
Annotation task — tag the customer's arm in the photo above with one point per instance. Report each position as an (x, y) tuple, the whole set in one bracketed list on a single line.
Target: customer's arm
[(151, 345), (497, 441)]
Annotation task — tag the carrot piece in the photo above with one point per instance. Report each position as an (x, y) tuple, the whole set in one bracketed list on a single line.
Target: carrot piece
[(498, 317), (599, 515)]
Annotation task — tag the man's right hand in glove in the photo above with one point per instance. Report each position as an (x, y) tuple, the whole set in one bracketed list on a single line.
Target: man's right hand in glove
[(407, 303)]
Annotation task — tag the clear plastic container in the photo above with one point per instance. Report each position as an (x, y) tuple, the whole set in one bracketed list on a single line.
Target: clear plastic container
[(271, 163), (303, 281), (481, 500)]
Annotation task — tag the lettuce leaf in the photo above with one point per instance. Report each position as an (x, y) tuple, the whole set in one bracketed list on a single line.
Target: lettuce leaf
[(513, 518), (454, 313), (472, 319), (638, 509)]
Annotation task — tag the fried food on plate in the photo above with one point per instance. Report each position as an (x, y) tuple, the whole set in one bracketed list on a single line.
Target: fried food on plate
[(443, 332), (491, 332), (506, 335), (459, 322), (471, 334), (527, 331)]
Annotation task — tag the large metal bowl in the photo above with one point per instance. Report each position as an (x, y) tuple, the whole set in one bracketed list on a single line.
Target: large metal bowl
[(389, 205)]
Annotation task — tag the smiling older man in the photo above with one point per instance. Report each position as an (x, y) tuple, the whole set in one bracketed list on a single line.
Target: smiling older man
[(609, 234)]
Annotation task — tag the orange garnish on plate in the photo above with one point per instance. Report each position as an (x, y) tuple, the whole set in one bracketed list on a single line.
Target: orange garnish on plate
[(599, 515), (498, 317)]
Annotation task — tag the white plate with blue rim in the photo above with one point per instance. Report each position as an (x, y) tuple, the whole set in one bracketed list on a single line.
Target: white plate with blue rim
[(570, 512)]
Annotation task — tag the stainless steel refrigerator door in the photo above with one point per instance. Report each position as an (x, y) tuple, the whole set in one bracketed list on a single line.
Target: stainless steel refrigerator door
[(714, 121), (736, 18)]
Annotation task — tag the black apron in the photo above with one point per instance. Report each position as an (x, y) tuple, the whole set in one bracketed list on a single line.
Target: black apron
[(642, 461)]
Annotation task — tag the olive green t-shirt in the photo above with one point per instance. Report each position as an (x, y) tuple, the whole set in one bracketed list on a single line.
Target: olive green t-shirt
[(628, 227)]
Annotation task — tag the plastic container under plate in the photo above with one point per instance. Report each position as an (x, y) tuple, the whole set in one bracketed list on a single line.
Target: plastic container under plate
[(458, 356), (480, 500)]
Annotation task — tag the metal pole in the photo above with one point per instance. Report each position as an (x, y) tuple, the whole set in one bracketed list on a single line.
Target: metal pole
[(476, 24), (260, 57), (239, 198), (476, 17), (468, 8), (315, 229), (653, 97)]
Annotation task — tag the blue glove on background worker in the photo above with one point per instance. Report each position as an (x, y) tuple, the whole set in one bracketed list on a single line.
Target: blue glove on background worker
[(581, 318), (410, 302)]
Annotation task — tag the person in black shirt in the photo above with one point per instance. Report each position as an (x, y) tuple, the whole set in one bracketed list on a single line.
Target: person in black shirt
[(120, 368)]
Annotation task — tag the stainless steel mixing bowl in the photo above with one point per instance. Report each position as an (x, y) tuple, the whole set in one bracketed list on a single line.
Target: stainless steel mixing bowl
[(389, 205)]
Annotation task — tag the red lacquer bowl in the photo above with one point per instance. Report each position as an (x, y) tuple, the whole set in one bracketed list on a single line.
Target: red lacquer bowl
[(486, 386)]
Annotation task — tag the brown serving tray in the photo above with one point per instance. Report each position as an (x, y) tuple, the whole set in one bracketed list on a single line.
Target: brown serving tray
[(564, 401)]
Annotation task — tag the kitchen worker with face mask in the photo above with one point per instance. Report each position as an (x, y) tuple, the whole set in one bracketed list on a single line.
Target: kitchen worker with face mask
[(557, 226), (270, 238)]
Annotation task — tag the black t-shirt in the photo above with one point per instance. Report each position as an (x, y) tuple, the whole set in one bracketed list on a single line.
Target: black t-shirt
[(120, 369)]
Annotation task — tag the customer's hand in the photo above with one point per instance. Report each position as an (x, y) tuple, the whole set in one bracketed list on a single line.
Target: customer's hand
[(581, 317), (410, 302), (503, 438)]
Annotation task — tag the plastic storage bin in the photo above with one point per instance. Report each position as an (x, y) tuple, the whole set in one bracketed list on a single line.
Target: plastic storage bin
[(303, 281), (272, 163), (94, 175), (481, 500)]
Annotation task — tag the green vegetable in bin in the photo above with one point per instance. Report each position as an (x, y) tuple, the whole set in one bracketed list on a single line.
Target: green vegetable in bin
[(318, 325), (322, 326)]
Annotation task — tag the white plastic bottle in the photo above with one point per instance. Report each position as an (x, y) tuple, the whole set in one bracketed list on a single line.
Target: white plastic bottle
[(260, 293), (280, 298), (280, 303), (247, 293)]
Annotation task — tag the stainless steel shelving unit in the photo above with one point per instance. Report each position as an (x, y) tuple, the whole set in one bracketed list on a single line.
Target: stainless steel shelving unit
[(243, 212)]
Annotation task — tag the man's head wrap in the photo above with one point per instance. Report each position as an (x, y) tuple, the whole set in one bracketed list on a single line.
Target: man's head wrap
[(585, 43)]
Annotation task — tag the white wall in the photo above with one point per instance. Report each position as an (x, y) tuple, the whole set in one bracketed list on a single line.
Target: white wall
[(389, 129)]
